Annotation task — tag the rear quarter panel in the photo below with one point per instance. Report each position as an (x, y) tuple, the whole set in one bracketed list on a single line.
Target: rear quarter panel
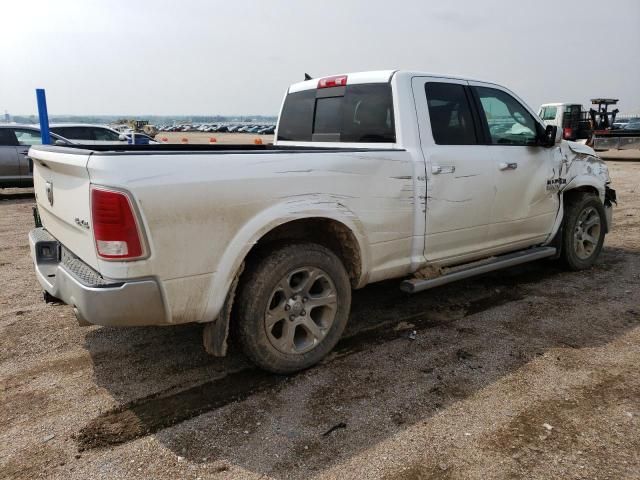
[(203, 212)]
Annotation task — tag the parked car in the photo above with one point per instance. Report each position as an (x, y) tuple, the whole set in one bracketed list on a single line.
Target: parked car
[(373, 176), (15, 165), (140, 139), (633, 124), (89, 134), (621, 123)]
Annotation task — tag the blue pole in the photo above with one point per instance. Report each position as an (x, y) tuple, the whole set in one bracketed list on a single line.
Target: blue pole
[(44, 116)]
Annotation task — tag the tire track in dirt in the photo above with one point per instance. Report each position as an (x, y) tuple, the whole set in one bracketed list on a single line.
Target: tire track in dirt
[(156, 412)]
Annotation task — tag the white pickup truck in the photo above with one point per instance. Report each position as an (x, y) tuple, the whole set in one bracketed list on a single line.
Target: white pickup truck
[(374, 175)]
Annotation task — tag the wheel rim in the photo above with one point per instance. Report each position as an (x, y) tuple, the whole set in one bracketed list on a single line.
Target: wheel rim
[(301, 310), (587, 233)]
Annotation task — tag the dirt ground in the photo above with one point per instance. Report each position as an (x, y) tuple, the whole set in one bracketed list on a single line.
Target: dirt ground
[(529, 373), (206, 138)]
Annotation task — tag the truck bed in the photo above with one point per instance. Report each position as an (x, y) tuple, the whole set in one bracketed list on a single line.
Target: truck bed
[(167, 148)]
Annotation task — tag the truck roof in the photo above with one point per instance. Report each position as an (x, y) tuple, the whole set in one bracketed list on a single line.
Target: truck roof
[(375, 76), (559, 104)]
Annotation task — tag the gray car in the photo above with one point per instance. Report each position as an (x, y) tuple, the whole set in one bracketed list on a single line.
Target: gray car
[(16, 169)]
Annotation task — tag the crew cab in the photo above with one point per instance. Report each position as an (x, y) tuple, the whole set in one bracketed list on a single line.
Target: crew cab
[(374, 175)]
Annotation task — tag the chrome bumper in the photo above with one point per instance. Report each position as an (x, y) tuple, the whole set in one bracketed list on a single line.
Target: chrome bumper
[(95, 299)]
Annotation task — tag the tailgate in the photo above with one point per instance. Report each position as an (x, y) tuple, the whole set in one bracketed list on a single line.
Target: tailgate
[(61, 183)]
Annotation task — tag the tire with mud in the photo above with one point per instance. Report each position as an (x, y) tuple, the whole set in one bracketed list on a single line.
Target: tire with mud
[(292, 307), (584, 231)]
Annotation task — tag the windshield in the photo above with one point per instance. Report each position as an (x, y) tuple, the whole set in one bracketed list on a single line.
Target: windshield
[(548, 113)]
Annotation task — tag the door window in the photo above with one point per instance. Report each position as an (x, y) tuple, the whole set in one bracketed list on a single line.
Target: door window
[(7, 138), (450, 114), (28, 137), (509, 121)]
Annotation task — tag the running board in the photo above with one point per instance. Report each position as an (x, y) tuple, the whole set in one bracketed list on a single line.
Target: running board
[(476, 268)]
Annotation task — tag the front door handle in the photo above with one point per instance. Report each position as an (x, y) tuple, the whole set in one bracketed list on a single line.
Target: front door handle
[(508, 165), (438, 169)]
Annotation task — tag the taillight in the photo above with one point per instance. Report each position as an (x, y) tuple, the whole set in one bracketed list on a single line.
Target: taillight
[(337, 81), (567, 133), (115, 229)]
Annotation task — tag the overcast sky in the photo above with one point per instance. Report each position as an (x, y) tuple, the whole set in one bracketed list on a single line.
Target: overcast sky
[(237, 57)]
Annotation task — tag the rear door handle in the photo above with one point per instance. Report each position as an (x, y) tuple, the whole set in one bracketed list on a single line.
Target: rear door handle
[(508, 165), (24, 152)]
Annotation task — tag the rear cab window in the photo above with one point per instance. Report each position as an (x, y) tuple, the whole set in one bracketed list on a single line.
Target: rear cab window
[(359, 113)]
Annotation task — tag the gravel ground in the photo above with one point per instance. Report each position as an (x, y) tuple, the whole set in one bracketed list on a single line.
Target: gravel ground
[(530, 372)]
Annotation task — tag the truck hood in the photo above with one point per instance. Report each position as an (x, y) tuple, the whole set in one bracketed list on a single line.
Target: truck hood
[(580, 148)]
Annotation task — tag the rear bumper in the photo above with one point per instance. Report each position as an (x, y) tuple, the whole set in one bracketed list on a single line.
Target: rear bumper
[(95, 299)]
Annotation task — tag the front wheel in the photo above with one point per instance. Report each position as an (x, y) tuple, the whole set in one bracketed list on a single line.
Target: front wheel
[(292, 307), (584, 231)]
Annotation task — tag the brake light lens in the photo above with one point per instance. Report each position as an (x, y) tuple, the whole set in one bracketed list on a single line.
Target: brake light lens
[(115, 229), (337, 81), (567, 133)]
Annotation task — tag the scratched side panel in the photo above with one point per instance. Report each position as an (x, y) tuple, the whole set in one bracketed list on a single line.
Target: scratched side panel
[(193, 207)]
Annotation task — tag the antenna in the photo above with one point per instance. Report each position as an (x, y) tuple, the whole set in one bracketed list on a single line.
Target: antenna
[(307, 76)]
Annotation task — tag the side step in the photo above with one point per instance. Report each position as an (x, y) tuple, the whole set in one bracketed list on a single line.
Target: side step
[(476, 268)]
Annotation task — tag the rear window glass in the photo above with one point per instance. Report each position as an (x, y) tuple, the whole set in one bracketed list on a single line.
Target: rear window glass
[(358, 113), (328, 115)]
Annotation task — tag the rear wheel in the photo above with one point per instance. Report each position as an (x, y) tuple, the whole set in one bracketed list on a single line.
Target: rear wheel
[(292, 307), (584, 230)]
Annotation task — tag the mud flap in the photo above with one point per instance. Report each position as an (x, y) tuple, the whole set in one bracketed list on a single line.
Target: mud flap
[(216, 333)]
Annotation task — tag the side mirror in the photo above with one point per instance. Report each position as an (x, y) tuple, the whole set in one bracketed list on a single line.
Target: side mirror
[(60, 143), (548, 136), (123, 138)]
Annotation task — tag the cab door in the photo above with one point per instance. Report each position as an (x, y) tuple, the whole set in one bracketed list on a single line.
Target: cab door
[(9, 166), (525, 207), (460, 171)]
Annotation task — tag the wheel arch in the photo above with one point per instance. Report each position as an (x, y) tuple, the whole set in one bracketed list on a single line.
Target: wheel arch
[(338, 230), (584, 183)]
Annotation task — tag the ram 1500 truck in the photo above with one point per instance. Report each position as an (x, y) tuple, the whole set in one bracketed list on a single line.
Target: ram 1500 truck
[(373, 176)]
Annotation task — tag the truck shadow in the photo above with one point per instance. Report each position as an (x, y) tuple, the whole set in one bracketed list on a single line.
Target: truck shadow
[(403, 359)]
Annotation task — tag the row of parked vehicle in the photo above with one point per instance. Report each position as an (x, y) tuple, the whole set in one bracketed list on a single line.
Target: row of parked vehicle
[(631, 123), (261, 129), (16, 168)]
